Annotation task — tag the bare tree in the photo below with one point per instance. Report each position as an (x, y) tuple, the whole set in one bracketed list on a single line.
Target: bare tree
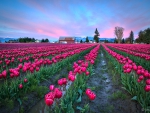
[(119, 33)]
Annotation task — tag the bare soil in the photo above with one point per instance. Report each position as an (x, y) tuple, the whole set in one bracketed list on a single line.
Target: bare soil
[(105, 86)]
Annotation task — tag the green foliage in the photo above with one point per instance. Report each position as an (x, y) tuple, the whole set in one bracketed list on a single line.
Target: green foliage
[(130, 83), (9, 103), (144, 36), (39, 90), (115, 41), (25, 98), (26, 40), (81, 41), (87, 40), (45, 40), (11, 91), (21, 110), (96, 32), (130, 39), (106, 41), (118, 95), (123, 41), (96, 36)]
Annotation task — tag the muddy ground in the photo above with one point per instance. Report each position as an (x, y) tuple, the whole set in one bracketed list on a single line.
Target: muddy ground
[(110, 97)]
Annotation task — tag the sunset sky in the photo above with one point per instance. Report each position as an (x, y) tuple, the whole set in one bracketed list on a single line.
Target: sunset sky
[(54, 18)]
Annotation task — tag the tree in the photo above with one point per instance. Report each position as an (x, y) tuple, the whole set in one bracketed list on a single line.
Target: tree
[(147, 36), (42, 40), (144, 36), (115, 41), (26, 40), (131, 37), (96, 36), (119, 33), (123, 41), (81, 41), (106, 41), (46, 40), (87, 40)]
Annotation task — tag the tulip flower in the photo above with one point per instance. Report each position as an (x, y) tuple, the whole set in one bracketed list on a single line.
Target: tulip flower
[(25, 80), (49, 102), (147, 88), (92, 96), (58, 93), (20, 86), (87, 73), (88, 91), (148, 81), (4, 73), (37, 68), (51, 87)]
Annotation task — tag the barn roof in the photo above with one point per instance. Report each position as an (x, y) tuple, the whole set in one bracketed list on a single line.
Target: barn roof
[(66, 38)]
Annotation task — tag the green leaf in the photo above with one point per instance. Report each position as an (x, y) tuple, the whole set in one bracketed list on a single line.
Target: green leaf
[(124, 88), (79, 99), (134, 98), (79, 108), (19, 100), (80, 91)]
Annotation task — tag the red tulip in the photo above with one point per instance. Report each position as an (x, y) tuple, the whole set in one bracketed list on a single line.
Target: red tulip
[(58, 93), (49, 102), (11, 75), (148, 81), (141, 77), (92, 61), (83, 69), (25, 80), (20, 86), (50, 95), (64, 81), (138, 72), (4, 73), (51, 87), (87, 73), (72, 78), (92, 96), (135, 67), (37, 68), (31, 69), (138, 80), (146, 74), (20, 66), (88, 91), (60, 82), (128, 70), (147, 88), (24, 69)]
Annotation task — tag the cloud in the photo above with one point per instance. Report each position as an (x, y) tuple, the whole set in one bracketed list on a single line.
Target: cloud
[(54, 18)]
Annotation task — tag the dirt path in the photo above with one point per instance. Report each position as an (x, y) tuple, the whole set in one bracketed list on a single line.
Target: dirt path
[(111, 98)]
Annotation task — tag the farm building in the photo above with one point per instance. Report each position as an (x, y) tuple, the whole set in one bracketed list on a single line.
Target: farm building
[(66, 40)]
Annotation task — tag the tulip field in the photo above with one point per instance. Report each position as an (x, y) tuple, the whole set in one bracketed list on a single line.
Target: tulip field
[(74, 78)]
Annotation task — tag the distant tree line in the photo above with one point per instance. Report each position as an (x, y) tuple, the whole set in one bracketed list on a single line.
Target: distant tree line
[(45, 40), (12, 41), (144, 36), (26, 40)]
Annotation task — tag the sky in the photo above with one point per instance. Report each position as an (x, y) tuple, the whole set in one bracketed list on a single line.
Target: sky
[(54, 18)]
